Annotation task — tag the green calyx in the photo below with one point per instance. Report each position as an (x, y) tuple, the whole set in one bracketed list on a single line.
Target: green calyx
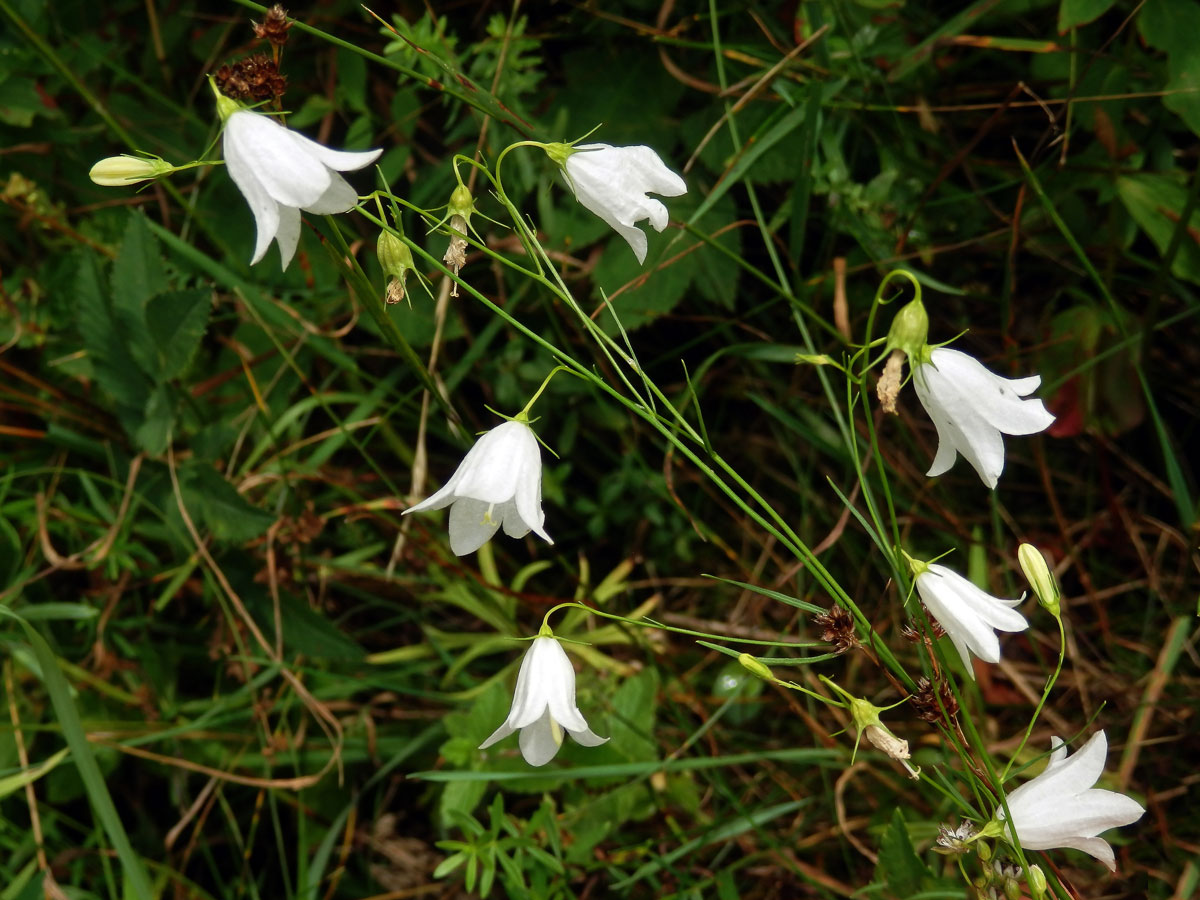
[(226, 106), (461, 203), (909, 331), (559, 152), (916, 566)]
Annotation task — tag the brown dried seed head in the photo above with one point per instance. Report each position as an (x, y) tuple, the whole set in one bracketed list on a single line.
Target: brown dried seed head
[(837, 628), (925, 701), (274, 27), (255, 78)]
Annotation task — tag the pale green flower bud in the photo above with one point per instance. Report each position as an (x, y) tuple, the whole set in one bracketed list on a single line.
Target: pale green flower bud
[(1037, 882), (754, 667), (814, 359), (1040, 578), (909, 330), (117, 171), (984, 849)]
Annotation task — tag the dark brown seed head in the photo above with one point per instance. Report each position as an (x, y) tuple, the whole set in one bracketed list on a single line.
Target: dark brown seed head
[(255, 78), (925, 702), (837, 628), (274, 27)]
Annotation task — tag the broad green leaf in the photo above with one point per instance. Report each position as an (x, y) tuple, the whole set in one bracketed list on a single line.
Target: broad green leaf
[(305, 631), (1073, 13), (225, 513), (176, 322), (1156, 203), (138, 272), (105, 341)]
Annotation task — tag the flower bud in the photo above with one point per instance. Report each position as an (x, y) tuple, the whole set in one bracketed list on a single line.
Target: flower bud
[(984, 849), (754, 667), (1012, 888), (117, 171), (1037, 882), (1040, 578), (909, 330), (814, 359)]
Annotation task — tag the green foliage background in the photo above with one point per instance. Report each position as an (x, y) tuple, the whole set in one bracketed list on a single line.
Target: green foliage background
[(273, 696)]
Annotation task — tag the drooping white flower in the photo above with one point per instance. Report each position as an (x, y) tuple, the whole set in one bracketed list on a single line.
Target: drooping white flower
[(498, 483), (614, 183), (971, 407), (1060, 808), (280, 172), (969, 615), (544, 705)]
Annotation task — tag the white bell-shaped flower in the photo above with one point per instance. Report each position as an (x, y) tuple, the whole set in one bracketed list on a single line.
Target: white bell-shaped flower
[(280, 172), (614, 183), (544, 705), (971, 407), (1060, 808), (969, 615), (498, 483)]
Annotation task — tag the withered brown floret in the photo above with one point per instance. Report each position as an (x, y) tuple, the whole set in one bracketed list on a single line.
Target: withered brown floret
[(255, 78), (837, 628), (274, 27), (925, 701)]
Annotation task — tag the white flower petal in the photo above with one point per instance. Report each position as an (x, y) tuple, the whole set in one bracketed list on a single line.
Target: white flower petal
[(1060, 808), (280, 172), (971, 407), (960, 622), (614, 183), (290, 175), (1066, 775), (540, 741), (493, 478), (264, 208), (470, 526), (287, 235), (499, 482), (498, 735), (340, 160), (586, 737), (339, 197)]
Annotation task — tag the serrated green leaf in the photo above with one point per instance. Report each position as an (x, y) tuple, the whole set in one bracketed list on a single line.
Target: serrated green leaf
[(157, 416), (899, 866), (104, 339), (138, 272), (176, 322), (225, 513)]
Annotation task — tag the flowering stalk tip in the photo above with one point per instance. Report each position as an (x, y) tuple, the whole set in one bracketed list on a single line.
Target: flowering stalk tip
[(754, 667), (1041, 579), (117, 171)]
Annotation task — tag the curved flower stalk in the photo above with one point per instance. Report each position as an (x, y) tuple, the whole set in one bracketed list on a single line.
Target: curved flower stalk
[(1060, 808), (280, 172), (615, 183), (498, 483), (544, 704), (969, 615), (971, 407)]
